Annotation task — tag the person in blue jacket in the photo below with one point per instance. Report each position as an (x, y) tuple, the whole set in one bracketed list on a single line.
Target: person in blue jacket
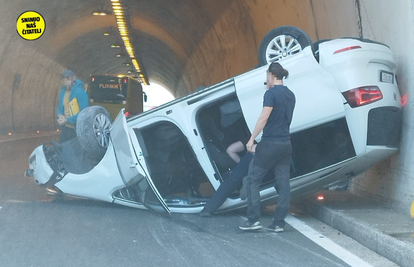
[(72, 99)]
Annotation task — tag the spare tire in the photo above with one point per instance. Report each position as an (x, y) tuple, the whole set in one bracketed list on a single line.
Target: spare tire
[(282, 42), (92, 129)]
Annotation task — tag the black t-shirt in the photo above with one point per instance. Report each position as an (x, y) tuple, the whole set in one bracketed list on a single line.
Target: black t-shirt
[(283, 102)]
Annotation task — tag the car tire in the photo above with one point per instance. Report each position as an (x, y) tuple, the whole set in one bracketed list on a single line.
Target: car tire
[(92, 130), (282, 42)]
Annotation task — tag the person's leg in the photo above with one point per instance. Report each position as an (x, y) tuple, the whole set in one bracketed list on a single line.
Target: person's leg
[(282, 186), (234, 149), (254, 181), (262, 162), (230, 184)]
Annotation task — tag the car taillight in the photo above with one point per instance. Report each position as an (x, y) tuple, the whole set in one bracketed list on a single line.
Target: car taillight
[(126, 114), (362, 96), (347, 49)]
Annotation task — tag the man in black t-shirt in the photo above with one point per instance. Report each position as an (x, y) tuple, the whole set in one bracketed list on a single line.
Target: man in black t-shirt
[(273, 152)]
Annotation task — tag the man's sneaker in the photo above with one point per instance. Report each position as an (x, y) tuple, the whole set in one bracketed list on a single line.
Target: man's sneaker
[(248, 226), (243, 190), (275, 228)]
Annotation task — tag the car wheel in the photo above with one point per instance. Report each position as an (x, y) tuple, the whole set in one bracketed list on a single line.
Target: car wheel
[(282, 42), (92, 130)]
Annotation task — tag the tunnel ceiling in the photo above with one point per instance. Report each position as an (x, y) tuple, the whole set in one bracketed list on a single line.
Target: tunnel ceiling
[(165, 35), (181, 44)]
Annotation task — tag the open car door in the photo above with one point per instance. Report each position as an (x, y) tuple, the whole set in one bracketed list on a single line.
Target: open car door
[(130, 162)]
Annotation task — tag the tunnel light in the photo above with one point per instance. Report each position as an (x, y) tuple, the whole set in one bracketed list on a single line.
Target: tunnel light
[(106, 33), (124, 26), (320, 197), (37, 131), (99, 13), (10, 133), (118, 55), (115, 46), (57, 130)]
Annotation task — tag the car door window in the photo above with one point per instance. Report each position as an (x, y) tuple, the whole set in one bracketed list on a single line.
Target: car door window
[(173, 166)]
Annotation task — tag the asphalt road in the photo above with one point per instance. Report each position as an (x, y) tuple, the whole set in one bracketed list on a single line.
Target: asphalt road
[(41, 230)]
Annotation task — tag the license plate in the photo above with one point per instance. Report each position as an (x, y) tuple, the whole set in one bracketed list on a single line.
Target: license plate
[(386, 77)]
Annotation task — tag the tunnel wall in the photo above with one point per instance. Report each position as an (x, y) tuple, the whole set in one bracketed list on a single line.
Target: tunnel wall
[(29, 82), (222, 55), (393, 180)]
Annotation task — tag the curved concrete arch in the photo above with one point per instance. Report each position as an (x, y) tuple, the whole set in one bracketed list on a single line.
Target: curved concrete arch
[(150, 28), (81, 26)]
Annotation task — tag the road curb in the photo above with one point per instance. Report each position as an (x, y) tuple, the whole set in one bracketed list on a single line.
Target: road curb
[(399, 252)]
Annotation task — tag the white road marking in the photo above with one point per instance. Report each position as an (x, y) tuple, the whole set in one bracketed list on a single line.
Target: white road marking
[(326, 243)]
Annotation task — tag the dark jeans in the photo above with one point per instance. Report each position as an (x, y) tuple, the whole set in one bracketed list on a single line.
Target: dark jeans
[(232, 182), (270, 155), (66, 134)]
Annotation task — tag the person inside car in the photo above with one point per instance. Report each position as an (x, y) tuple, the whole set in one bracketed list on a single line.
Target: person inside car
[(231, 183)]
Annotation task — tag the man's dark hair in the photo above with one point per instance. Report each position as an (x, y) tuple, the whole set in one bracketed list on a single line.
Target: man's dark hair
[(278, 71)]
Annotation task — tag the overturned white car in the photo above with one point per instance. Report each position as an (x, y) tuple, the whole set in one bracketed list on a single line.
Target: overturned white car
[(172, 158)]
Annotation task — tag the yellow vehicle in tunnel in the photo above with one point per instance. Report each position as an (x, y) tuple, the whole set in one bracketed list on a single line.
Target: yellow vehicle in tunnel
[(115, 93)]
